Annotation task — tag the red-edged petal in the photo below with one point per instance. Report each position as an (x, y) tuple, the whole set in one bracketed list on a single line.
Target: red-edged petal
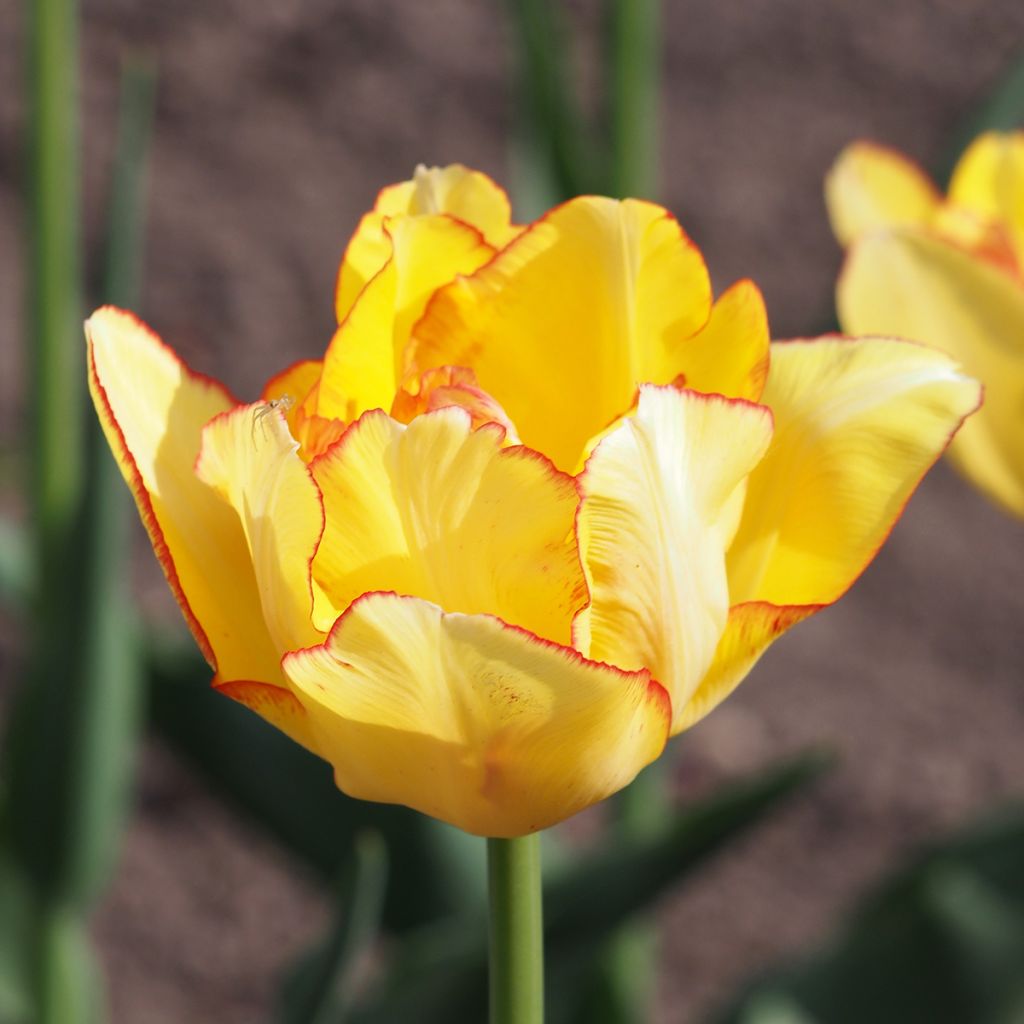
[(153, 410), (469, 720)]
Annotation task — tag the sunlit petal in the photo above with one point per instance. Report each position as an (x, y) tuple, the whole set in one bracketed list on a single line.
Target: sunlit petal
[(153, 410), (250, 459), (443, 512), (464, 194), (730, 354), (471, 721), (363, 364), (653, 527), (567, 321), (857, 424)]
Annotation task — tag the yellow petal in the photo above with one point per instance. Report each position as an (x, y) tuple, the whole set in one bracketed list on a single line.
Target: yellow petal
[(750, 629), (464, 194), (442, 512), (653, 527), (293, 384), (872, 187), (249, 458), (362, 366), (153, 410), (471, 721), (920, 287), (294, 391), (367, 253), (563, 324), (989, 180), (730, 354), (857, 424)]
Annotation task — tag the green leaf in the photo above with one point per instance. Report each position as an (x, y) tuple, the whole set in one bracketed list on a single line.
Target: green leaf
[(54, 340), (126, 214), (16, 926), (71, 987), (557, 157), (440, 973), (73, 730), (320, 989), (436, 869), (15, 565), (632, 79), (940, 943)]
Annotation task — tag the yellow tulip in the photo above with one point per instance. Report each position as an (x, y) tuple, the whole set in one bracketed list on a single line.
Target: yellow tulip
[(948, 271), (541, 505)]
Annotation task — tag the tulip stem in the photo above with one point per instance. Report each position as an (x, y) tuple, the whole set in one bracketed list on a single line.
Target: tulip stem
[(516, 931)]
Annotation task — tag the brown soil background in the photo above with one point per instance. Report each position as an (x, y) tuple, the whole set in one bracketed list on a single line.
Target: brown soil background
[(276, 125)]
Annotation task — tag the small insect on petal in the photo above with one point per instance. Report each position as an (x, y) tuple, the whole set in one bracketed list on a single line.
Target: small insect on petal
[(263, 409)]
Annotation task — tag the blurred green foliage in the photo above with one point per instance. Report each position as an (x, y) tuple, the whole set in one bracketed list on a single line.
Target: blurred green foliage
[(67, 756), (323, 985), (942, 942), (563, 153)]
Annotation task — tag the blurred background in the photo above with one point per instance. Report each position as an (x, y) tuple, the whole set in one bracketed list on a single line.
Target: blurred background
[(274, 127)]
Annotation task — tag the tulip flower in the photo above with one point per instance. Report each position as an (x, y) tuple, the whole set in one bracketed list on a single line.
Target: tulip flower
[(948, 271), (541, 505)]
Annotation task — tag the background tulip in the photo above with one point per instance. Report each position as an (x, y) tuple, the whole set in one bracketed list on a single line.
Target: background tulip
[(948, 271)]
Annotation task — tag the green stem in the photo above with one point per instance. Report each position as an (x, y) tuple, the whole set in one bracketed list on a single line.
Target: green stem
[(517, 931)]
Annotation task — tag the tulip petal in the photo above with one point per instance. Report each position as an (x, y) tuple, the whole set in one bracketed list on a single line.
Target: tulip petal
[(730, 354), (750, 629), (857, 424), (362, 366), (250, 459), (653, 527), (871, 187), (294, 383), (562, 326), (276, 705), (446, 386), (989, 180), (920, 287), (472, 721), (153, 410), (468, 195), (463, 194), (294, 391), (443, 512)]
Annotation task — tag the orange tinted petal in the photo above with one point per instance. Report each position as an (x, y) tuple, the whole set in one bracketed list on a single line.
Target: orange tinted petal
[(363, 364)]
